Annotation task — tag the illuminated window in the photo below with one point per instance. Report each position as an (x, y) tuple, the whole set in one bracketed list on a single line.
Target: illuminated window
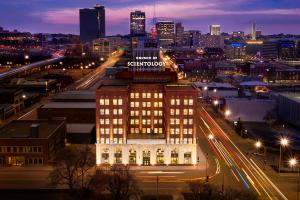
[(172, 111), (101, 102), (148, 95), (160, 95), (106, 102), (172, 102), (104, 131), (115, 111), (155, 95), (185, 102), (118, 131), (174, 121), (104, 111), (132, 95), (137, 95), (144, 95), (120, 102), (120, 112), (148, 130), (115, 102), (191, 102), (191, 111)]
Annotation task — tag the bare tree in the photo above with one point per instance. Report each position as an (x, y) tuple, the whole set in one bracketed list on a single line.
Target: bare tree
[(72, 167), (117, 182)]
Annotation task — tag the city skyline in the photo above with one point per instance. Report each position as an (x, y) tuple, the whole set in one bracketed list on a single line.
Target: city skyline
[(49, 16)]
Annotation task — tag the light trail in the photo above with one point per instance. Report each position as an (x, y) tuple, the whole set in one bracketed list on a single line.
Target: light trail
[(235, 159)]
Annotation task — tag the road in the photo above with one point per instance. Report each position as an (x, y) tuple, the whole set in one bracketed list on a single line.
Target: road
[(242, 167), (95, 76)]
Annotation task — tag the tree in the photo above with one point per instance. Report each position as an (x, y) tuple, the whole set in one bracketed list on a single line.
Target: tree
[(239, 127), (122, 184), (72, 167), (202, 190), (271, 117)]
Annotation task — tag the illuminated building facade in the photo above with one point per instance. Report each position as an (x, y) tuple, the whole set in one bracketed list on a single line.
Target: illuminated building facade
[(215, 30), (146, 124), (253, 32), (137, 23), (165, 33)]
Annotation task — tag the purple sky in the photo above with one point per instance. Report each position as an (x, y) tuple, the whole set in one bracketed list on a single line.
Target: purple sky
[(61, 16)]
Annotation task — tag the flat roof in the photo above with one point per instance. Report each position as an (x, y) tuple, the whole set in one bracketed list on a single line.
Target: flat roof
[(75, 105), (76, 95), (20, 129), (179, 87), (80, 128), (293, 96)]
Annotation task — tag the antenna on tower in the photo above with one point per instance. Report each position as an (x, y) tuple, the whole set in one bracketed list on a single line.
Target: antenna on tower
[(154, 12)]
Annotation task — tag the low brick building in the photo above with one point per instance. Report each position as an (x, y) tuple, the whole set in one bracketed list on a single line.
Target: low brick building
[(31, 142)]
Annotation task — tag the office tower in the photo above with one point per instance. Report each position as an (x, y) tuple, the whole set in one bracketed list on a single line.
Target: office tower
[(253, 33), (179, 34), (212, 41), (215, 30), (92, 23), (165, 33), (137, 23), (238, 34), (258, 34), (279, 49)]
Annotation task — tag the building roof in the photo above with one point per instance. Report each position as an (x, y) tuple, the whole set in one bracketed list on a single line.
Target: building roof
[(78, 95), (292, 96), (214, 85), (80, 128), (75, 105), (21, 129), (253, 83)]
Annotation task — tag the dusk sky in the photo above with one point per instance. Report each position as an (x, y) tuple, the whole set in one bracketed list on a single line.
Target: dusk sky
[(61, 16)]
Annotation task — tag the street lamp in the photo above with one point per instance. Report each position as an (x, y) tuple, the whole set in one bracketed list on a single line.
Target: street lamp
[(227, 113), (292, 163), (210, 136), (258, 144), (283, 143), (216, 102)]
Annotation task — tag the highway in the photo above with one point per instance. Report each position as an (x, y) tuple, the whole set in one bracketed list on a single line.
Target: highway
[(243, 168), (95, 76), (15, 71)]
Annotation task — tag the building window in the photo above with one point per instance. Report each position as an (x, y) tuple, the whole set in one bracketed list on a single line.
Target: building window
[(115, 102), (132, 157), (191, 102), (118, 156), (120, 102), (102, 102), (160, 157), (174, 157), (188, 158)]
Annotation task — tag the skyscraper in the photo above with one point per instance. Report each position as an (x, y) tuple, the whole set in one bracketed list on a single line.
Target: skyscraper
[(179, 34), (253, 32), (165, 33), (215, 30), (92, 23), (137, 23)]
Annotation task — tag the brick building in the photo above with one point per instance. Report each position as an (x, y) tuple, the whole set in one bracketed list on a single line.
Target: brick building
[(31, 142), (142, 123)]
